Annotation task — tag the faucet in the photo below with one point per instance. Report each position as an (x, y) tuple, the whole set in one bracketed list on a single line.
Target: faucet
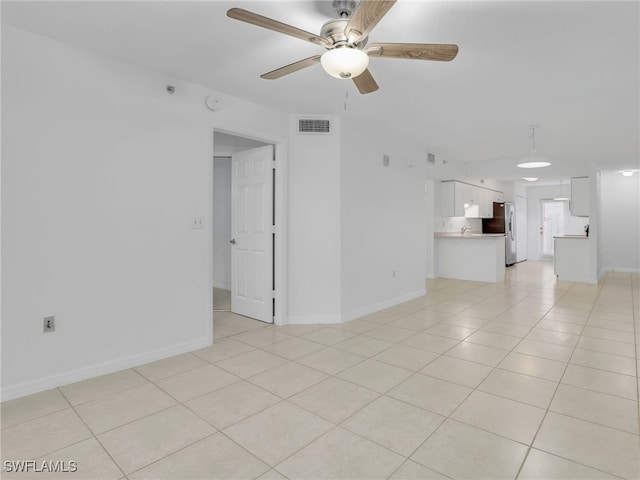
[(464, 229)]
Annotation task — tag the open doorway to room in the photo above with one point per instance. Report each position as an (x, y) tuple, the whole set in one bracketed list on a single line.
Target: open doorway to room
[(553, 218), (243, 242), (556, 219)]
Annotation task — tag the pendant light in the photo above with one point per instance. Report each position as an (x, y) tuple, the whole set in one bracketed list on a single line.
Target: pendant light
[(560, 197), (533, 159)]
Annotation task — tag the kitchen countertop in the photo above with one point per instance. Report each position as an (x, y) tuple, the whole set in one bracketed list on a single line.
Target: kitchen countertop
[(473, 236)]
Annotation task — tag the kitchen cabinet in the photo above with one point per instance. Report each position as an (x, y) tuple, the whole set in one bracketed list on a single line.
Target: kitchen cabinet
[(447, 200), (487, 197), (571, 258), (579, 204), (459, 199), (454, 198)]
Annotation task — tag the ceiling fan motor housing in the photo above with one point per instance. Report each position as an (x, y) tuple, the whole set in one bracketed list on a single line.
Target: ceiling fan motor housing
[(333, 31)]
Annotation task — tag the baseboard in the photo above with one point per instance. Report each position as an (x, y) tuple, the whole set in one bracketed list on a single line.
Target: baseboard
[(617, 269), (313, 319), (45, 383), (361, 312)]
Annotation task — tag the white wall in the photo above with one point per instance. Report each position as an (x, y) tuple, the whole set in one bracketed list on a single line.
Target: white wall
[(103, 172), (314, 226), (619, 232), (383, 221), (221, 227)]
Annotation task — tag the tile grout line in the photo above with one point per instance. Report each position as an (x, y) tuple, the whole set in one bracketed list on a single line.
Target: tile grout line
[(548, 409), (94, 436)]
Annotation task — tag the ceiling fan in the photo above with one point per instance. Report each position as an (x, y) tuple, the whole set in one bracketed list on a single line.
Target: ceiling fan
[(345, 39)]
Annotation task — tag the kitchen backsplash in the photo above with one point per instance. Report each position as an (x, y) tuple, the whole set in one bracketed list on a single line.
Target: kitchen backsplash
[(455, 224)]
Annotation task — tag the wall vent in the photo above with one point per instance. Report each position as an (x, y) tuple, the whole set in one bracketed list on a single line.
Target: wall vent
[(431, 159), (314, 125)]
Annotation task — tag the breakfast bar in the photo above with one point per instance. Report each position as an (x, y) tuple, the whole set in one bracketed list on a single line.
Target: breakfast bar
[(478, 257)]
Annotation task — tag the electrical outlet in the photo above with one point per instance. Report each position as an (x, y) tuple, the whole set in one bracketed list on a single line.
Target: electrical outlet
[(49, 324)]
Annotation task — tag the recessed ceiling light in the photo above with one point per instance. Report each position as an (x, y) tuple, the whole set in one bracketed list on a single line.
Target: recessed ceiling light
[(530, 179)]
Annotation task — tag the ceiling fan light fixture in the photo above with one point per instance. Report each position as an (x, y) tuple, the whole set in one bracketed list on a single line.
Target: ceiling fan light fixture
[(344, 62)]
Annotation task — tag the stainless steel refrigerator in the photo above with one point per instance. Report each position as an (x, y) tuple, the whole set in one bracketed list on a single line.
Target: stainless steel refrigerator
[(503, 221)]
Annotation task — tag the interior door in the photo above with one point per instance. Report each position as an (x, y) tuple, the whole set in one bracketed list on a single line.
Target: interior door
[(252, 233)]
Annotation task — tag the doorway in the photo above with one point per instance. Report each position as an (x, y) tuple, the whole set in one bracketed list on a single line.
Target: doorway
[(552, 222), (243, 274)]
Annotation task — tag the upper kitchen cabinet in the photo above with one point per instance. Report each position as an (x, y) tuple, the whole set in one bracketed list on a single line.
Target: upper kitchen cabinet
[(579, 197), (451, 204), (459, 199)]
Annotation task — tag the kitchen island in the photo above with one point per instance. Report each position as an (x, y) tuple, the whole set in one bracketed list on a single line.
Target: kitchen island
[(478, 257), (571, 258)]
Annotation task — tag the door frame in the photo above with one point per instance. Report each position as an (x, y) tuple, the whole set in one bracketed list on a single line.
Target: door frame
[(280, 202), (542, 255)]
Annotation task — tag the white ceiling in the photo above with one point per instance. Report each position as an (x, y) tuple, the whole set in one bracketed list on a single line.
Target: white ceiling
[(571, 67)]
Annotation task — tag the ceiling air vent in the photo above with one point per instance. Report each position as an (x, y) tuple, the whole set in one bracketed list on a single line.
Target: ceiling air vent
[(431, 159), (314, 125)]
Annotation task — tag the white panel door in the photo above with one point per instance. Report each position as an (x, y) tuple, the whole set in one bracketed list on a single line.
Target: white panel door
[(252, 233)]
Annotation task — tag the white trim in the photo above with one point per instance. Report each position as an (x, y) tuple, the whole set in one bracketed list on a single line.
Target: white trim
[(605, 270), (209, 232), (314, 320), (280, 189), (45, 383)]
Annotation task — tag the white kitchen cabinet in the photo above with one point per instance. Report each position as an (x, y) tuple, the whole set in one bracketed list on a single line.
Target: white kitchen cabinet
[(459, 199), (579, 204), (571, 258), (447, 200), (454, 198), (486, 203)]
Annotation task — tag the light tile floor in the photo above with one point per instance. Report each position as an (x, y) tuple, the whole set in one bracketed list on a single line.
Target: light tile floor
[(531, 379)]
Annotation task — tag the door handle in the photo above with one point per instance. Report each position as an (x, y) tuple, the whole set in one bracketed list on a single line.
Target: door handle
[(232, 241)]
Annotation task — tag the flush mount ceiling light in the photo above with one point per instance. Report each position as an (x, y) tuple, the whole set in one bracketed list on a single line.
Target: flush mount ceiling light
[(530, 179), (533, 159), (344, 62), (627, 173)]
